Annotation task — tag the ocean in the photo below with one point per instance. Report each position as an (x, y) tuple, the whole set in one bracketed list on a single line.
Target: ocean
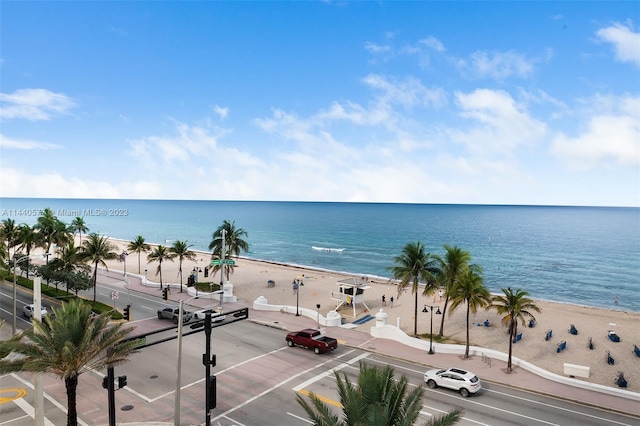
[(581, 255)]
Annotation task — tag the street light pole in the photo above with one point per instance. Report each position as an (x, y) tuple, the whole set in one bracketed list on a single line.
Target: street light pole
[(297, 283), (431, 352), (15, 265), (179, 363), (318, 308), (38, 402), (124, 257)]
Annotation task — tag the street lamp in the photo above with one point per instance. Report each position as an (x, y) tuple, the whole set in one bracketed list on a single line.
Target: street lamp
[(297, 283), (195, 272), (123, 257), (145, 276), (179, 361), (318, 308), (431, 352)]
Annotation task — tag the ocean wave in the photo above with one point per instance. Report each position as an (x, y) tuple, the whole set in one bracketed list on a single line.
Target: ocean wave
[(327, 249)]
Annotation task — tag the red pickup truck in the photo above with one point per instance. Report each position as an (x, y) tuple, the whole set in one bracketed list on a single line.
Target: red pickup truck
[(312, 339)]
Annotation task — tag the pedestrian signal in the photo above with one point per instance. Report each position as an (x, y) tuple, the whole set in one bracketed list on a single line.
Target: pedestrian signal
[(126, 312)]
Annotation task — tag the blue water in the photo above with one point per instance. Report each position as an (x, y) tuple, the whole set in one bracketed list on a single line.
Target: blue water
[(581, 255)]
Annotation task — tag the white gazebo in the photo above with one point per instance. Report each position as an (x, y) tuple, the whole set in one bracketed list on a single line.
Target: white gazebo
[(351, 292)]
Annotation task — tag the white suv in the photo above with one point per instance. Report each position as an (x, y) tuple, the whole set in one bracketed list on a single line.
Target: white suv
[(29, 310), (463, 381)]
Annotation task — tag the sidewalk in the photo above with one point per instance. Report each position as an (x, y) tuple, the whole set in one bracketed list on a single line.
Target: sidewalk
[(360, 338)]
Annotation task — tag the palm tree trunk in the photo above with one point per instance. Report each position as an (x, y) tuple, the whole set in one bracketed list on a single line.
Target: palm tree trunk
[(180, 271), (95, 281), (509, 368), (160, 270), (466, 352), (446, 302), (415, 314), (138, 262), (71, 384)]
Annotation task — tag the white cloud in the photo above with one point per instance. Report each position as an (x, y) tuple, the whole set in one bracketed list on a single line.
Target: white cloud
[(498, 65), (500, 125), (376, 48), (611, 136), (409, 92), (221, 112), (433, 43), (10, 143), (34, 104), (625, 41)]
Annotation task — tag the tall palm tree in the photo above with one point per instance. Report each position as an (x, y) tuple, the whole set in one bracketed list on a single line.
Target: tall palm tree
[(412, 266), (9, 232), (138, 245), (180, 249), (378, 399), (67, 345), (96, 250), (514, 306), (469, 289), (78, 225), (28, 239), (452, 266), (52, 229), (233, 241), (160, 254)]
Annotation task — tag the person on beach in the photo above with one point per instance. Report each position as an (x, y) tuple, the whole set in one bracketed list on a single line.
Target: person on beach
[(391, 300), (384, 300)]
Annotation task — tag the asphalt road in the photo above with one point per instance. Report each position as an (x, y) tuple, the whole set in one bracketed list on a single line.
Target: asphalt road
[(258, 377)]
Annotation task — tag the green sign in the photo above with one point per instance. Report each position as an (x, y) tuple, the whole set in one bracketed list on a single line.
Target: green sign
[(216, 262), (230, 262)]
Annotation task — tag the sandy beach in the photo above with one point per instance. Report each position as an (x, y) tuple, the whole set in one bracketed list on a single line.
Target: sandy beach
[(250, 282)]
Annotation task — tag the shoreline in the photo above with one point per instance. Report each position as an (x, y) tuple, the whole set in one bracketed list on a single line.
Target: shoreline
[(375, 279)]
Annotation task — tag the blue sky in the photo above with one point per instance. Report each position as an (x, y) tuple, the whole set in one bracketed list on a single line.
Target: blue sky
[(416, 102)]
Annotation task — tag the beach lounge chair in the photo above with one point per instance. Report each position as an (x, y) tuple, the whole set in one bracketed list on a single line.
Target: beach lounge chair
[(573, 330), (636, 350), (517, 338), (549, 334), (620, 380), (561, 346), (613, 336), (610, 359)]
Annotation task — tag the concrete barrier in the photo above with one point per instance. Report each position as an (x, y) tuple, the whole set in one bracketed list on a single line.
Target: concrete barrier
[(574, 370)]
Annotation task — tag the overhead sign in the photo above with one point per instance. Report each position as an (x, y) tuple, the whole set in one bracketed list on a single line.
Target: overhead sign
[(230, 262), (216, 262)]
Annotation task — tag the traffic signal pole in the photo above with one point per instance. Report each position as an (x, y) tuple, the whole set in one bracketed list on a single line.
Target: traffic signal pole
[(111, 390), (206, 358)]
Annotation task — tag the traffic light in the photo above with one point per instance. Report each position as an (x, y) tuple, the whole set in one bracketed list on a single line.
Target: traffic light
[(206, 272), (105, 382), (122, 381), (126, 312), (165, 293), (212, 392)]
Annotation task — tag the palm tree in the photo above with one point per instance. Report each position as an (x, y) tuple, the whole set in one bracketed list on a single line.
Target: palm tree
[(469, 289), (96, 249), (160, 254), (233, 244), (413, 265), (70, 259), (78, 225), (180, 249), (52, 229), (514, 306), (378, 399), (28, 239), (138, 245), (9, 232), (454, 263), (67, 345)]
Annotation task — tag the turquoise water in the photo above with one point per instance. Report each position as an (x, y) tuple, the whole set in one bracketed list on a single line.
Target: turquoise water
[(582, 255)]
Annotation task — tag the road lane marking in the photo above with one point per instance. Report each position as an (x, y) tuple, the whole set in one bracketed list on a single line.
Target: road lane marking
[(557, 407), (272, 388), (17, 393), (321, 398)]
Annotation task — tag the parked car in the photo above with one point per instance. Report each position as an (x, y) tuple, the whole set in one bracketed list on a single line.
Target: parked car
[(312, 339), (29, 310), (463, 381), (173, 313), (215, 315)]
